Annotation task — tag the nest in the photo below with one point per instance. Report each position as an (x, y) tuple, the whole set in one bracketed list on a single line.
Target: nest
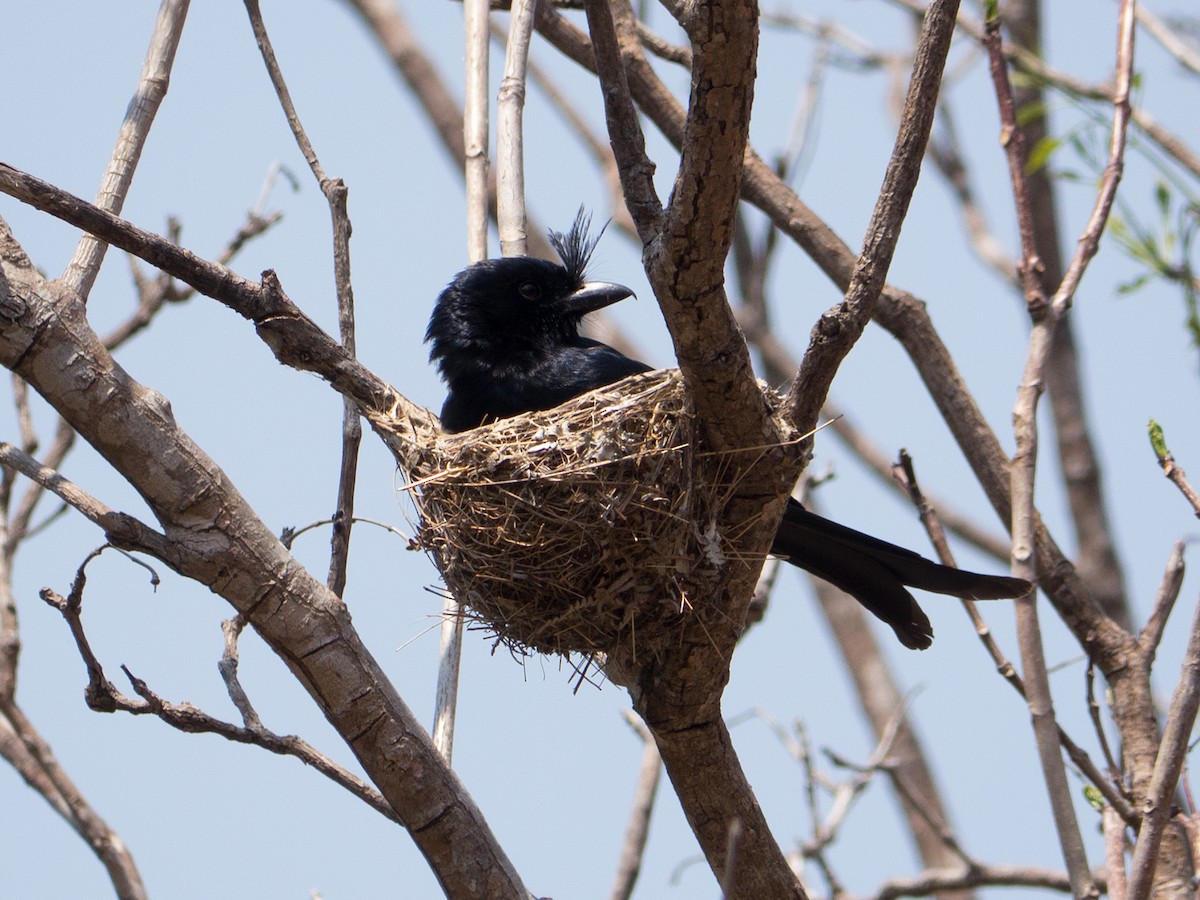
[(581, 529)]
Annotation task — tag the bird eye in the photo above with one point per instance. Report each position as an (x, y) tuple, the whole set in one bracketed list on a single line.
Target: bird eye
[(530, 290)]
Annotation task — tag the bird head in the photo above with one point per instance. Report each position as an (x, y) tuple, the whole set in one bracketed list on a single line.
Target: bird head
[(499, 308)]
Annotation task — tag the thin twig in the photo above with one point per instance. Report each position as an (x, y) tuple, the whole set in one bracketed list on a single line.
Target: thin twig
[(906, 476), (1173, 472), (732, 843), (597, 147), (814, 848), (1171, 752), (228, 667), (288, 536), (933, 881), (334, 190), (474, 125), (1164, 601), (510, 132), (625, 133), (29, 753), (1114, 771), (1012, 139), (847, 792), (281, 90), (1113, 827), (103, 696), (681, 56), (1031, 64), (475, 143), (292, 336), (19, 525), (154, 294), (81, 272), (633, 847), (839, 328), (1167, 36), (48, 478), (1046, 318), (1089, 240)]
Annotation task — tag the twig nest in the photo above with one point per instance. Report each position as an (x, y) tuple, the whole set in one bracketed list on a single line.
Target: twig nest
[(581, 529)]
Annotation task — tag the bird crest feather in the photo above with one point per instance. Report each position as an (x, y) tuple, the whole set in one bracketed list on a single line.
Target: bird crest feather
[(576, 246)]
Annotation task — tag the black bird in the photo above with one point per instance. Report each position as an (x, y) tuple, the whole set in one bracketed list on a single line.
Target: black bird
[(505, 336)]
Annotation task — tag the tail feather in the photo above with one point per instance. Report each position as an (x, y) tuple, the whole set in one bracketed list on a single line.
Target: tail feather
[(875, 572)]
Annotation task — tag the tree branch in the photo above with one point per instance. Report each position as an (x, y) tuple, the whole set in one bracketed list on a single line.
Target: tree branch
[(293, 337), (216, 539), (638, 829), (839, 328), (152, 88), (1156, 808), (335, 193)]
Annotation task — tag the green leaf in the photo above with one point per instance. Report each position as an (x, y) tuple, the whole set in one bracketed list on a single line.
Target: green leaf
[(1031, 111), (1040, 155), (1193, 318), (1162, 197), (1134, 285), (1158, 441)]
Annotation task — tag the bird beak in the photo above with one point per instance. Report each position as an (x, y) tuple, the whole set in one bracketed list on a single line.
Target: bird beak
[(594, 295)]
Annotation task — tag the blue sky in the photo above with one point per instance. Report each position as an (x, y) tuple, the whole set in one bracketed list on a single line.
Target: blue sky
[(553, 770)]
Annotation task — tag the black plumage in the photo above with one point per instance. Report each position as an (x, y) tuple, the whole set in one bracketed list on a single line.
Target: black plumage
[(505, 337), (505, 334)]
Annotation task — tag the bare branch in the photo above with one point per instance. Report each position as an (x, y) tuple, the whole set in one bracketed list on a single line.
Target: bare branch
[(27, 751), (293, 337), (1037, 687), (839, 328), (906, 318), (334, 190), (120, 527), (19, 525), (672, 53), (1165, 35), (1164, 602), (218, 540), (1114, 771), (906, 476), (1012, 139), (1089, 241), (104, 697), (510, 152), (228, 666), (1173, 472), (1173, 748), (933, 881), (1046, 319), (154, 294), (152, 88), (445, 702), (628, 142), (1030, 63), (715, 361), (1114, 852), (638, 828)]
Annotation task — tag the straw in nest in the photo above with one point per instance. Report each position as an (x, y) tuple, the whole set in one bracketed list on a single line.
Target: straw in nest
[(575, 530)]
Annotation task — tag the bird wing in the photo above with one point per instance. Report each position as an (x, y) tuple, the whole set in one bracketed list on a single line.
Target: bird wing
[(535, 383)]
